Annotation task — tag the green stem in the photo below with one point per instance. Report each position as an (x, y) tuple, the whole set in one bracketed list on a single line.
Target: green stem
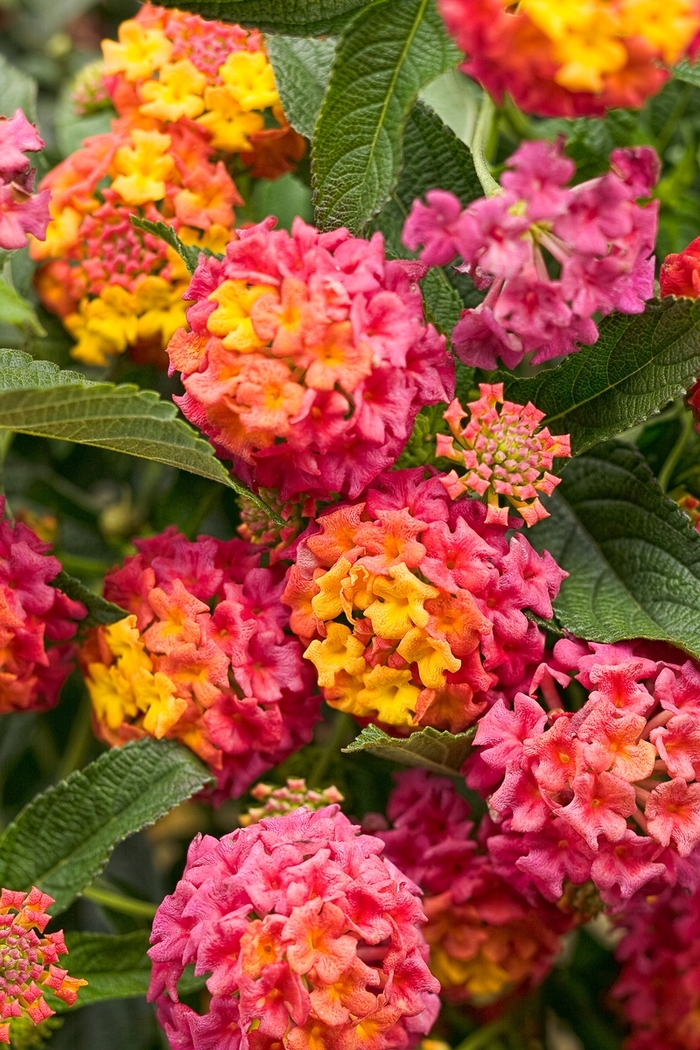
[(342, 724), (666, 472), (117, 902), (479, 145), (484, 1035), (78, 742)]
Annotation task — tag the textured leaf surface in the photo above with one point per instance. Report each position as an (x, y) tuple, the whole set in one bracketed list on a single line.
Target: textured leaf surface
[(298, 17), (687, 71), (63, 839), (37, 398), (302, 71), (632, 554), (389, 52), (115, 966), (441, 752), (638, 365), (100, 611), (188, 253)]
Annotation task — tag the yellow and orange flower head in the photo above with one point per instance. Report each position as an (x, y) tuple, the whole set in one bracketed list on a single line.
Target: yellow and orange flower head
[(412, 607), (573, 58), (205, 656)]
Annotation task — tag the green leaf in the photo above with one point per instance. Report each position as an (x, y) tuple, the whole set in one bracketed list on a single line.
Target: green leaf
[(632, 554), (439, 751), (64, 837), (296, 17), (37, 398), (302, 71), (188, 253), (115, 967), (390, 51), (16, 310), (638, 365), (100, 611), (17, 91), (687, 71)]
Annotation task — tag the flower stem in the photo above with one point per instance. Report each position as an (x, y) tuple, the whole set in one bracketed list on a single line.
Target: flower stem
[(482, 132), (342, 725), (666, 472), (117, 902)]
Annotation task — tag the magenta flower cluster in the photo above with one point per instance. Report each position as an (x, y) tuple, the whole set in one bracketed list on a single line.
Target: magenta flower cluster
[(22, 211)]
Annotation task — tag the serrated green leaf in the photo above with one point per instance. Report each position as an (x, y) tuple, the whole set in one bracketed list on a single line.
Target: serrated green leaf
[(38, 398), (389, 52), (439, 751), (17, 311), (188, 253), (633, 556), (638, 365), (295, 17), (687, 71), (64, 837), (100, 611), (302, 70), (17, 91)]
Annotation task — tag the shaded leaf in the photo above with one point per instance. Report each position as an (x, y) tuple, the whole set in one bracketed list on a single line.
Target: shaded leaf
[(632, 554), (687, 71), (100, 611), (439, 751), (188, 253), (389, 52), (17, 91), (115, 966), (638, 365), (297, 17), (64, 837), (16, 310), (302, 71)]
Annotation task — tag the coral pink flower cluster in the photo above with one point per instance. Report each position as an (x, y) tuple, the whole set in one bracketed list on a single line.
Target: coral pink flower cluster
[(21, 210), (28, 960), (281, 800), (36, 622), (204, 657), (485, 938), (609, 792), (308, 358), (412, 606), (503, 452), (310, 937), (596, 233)]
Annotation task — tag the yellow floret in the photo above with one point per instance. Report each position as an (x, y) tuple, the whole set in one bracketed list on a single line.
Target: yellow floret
[(139, 53), (177, 93), (228, 124), (143, 168), (250, 79)]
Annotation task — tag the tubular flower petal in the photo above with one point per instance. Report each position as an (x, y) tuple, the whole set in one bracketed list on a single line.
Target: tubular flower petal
[(204, 657), (565, 58), (411, 604), (28, 959), (37, 621), (310, 937), (503, 452), (596, 233), (608, 793), (308, 358), (22, 212), (117, 288)]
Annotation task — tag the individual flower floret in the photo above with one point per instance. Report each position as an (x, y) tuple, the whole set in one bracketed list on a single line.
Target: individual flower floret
[(608, 792), (22, 211), (680, 272), (485, 938), (504, 454), (308, 358), (280, 800), (28, 959), (596, 234), (310, 938), (413, 608), (205, 657), (567, 58), (36, 621)]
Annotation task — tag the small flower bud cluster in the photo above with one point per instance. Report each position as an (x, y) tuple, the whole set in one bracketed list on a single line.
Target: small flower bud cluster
[(281, 800), (22, 211)]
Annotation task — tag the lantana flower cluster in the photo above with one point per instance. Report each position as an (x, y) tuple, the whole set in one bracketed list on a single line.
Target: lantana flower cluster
[(504, 453), (22, 211), (565, 58), (412, 607), (276, 801), (308, 358), (204, 657), (37, 621), (485, 938), (310, 938), (596, 234), (28, 959), (168, 157), (608, 793)]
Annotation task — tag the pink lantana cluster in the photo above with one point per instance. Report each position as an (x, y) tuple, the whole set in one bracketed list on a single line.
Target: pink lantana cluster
[(276, 801), (596, 234), (204, 657), (608, 793), (308, 358), (485, 938), (504, 454), (36, 621), (412, 606), (310, 938), (28, 960), (21, 210)]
